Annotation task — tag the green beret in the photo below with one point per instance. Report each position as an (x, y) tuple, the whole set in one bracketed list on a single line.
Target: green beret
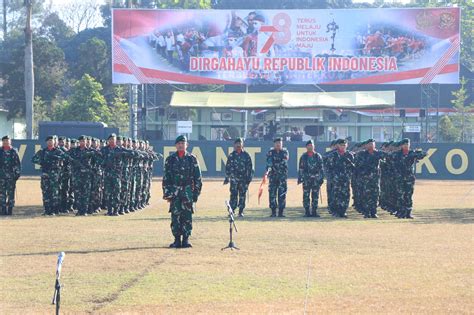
[(82, 138), (6, 138), (181, 138), (238, 140), (369, 141), (73, 140), (405, 141), (112, 135), (278, 139), (62, 138), (49, 138), (341, 141), (310, 142)]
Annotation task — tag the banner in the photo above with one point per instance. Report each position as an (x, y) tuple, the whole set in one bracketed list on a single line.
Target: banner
[(443, 161), (353, 46)]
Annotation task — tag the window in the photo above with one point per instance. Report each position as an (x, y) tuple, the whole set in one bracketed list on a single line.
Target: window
[(227, 117), (381, 134), (337, 132), (216, 116)]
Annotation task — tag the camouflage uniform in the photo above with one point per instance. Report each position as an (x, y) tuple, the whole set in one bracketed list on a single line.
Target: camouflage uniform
[(277, 168), (239, 172), (111, 160), (96, 181), (356, 185), (328, 175), (137, 175), (404, 166), (81, 161), (152, 157), (310, 174), (50, 161), (126, 181), (340, 167), (182, 186), (10, 169), (368, 166), (64, 182)]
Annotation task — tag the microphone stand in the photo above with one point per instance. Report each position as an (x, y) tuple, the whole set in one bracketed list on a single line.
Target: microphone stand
[(232, 226)]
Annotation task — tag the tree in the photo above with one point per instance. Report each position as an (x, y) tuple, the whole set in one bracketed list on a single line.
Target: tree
[(41, 113), (82, 14), (447, 131), (119, 107), (14, 17), (93, 59), (49, 73), (55, 29), (86, 103), (465, 113)]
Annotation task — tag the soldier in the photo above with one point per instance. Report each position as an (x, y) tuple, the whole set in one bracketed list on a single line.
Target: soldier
[(404, 165), (357, 192), (96, 177), (64, 177), (10, 169), (277, 172), (310, 174), (181, 188), (49, 158), (81, 161), (327, 174), (340, 164), (111, 156), (368, 165), (152, 157), (239, 172)]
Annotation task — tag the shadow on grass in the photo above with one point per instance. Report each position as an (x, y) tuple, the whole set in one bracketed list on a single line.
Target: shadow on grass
[(451, 215), (25, 212), (29, 212), (295, 214), (92, 251)]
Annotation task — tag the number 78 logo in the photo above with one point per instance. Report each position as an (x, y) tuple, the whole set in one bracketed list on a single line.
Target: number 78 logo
[(280, 31)]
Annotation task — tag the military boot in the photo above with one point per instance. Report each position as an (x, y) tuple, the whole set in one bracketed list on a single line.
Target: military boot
[(176, 243), (280, 213), (241, 212), (185, 243), (9, 210), (315, 213), (408, 214), (4, 211), (274, 213), (307, 213)]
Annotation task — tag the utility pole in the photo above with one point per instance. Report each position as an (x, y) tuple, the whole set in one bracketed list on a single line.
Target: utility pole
[(29, 75)]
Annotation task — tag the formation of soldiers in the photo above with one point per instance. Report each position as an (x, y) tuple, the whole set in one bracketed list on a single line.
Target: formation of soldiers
[(89, 174), (382, 178)]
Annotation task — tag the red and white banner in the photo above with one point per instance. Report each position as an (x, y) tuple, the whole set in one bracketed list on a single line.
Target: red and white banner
[(380, 46)]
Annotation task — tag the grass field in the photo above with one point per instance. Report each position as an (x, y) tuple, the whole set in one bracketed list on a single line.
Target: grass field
[(291, 265)]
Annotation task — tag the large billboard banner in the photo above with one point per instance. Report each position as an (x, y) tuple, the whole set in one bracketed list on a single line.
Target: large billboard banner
[(354, 46)]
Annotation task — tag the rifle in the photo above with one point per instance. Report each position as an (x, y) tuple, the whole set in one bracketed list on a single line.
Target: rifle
[(57, 286)]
